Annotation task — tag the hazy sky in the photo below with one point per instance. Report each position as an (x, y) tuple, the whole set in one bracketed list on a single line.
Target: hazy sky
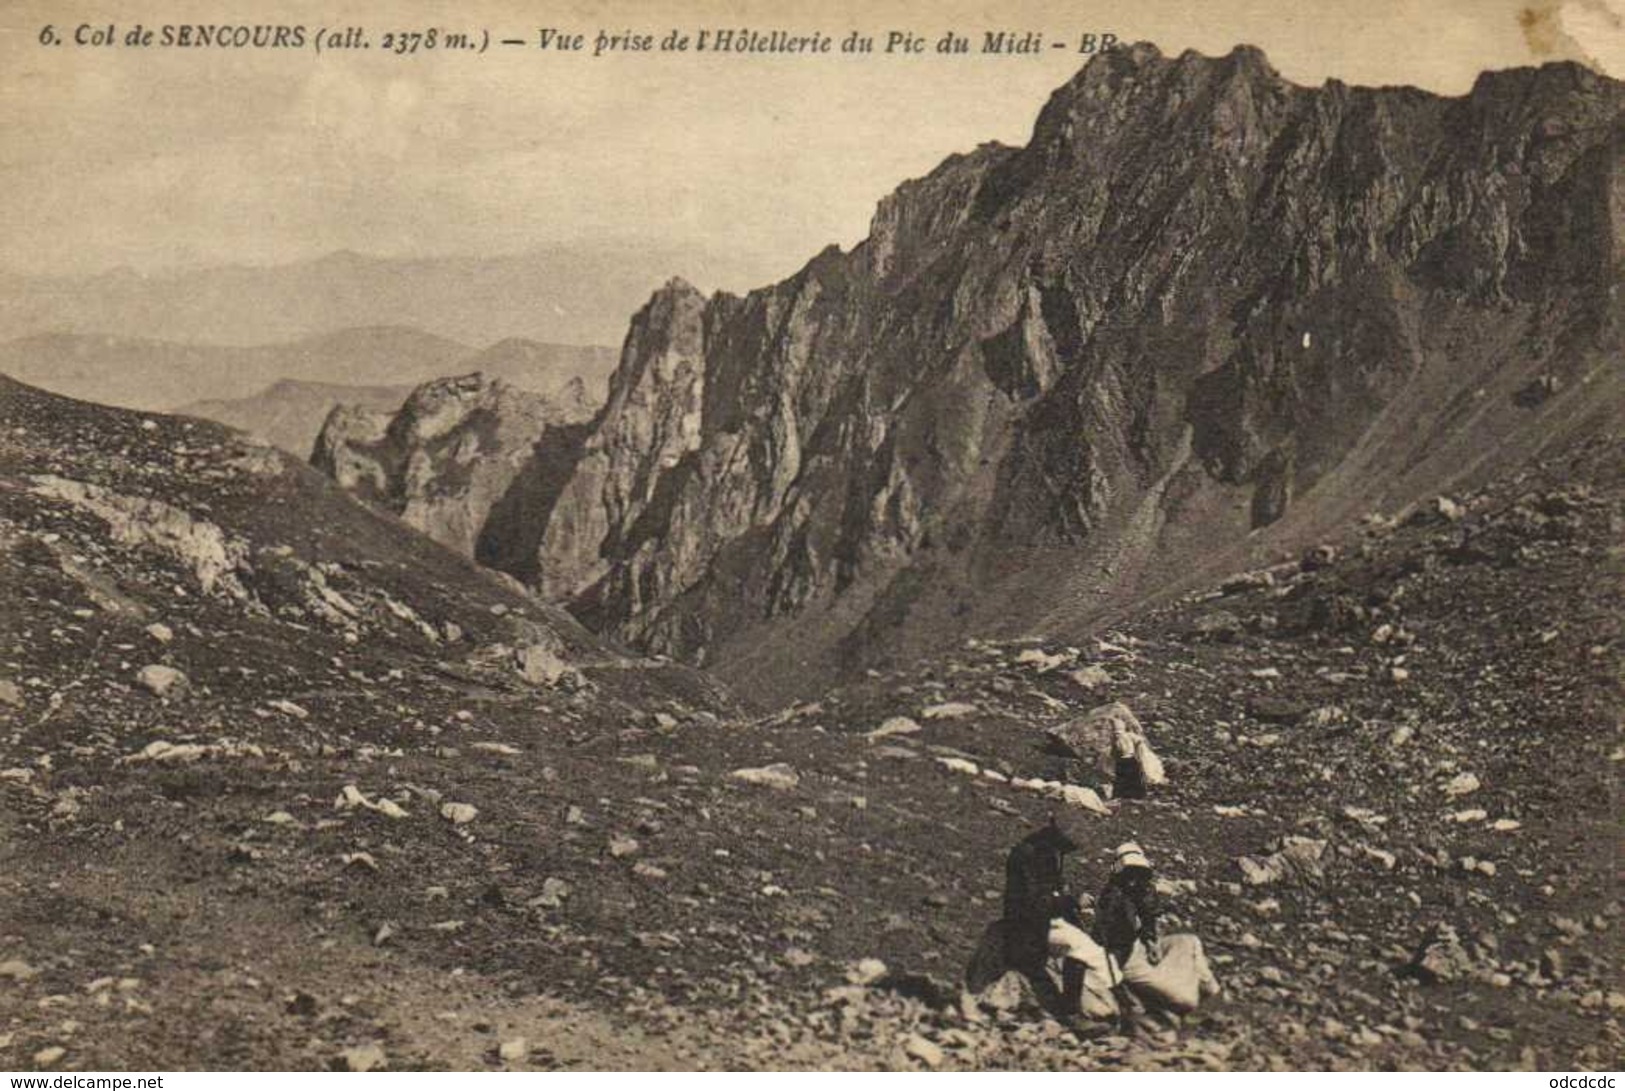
[(155, 158)]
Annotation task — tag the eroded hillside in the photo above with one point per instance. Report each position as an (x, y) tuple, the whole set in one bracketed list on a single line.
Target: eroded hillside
[(381, 809)]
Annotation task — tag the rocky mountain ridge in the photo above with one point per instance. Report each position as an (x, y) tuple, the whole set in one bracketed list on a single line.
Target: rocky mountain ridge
[(1201, 318)]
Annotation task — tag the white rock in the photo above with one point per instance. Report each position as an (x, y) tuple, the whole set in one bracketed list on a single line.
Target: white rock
[(866, 971), (1091, 677), (778, 776), (1040, 660), (161, 750), (390, 809), (515, 1049), (896, 725), (1086, 798), (948, 710), (459, 814), (160, 680), (160, 632), (541, 666), (923, 1050), (365, 1058), (1462, 784), (351, 798)]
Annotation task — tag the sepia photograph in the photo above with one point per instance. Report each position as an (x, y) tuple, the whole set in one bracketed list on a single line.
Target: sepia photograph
[(733, 536)]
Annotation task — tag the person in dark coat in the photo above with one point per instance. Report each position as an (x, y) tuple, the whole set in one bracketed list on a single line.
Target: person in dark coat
[(1035, 894)]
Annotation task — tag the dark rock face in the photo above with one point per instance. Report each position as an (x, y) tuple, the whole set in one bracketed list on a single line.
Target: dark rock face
[(1200, 302)]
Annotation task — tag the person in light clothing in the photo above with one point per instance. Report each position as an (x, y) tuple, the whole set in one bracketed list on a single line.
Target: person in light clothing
[(1123, 957)]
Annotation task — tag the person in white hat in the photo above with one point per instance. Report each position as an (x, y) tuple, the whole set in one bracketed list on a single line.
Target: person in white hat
[(1171, 972)]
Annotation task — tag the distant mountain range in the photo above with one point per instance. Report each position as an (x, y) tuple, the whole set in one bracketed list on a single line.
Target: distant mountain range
[(290, 412), (146, 374), (565, 295), (283, 392)]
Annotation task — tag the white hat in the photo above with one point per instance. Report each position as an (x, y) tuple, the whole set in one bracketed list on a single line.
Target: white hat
[(1129, 854)]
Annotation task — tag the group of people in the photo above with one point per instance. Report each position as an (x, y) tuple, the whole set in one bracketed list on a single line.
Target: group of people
[(1115, 961), (1097, 958)]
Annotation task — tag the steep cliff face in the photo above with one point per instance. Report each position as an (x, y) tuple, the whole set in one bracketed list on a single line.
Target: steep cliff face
[(448, 461), (1202, 317)]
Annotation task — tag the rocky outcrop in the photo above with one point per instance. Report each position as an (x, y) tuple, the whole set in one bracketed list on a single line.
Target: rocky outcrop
[(456, 456), (1202, 315)]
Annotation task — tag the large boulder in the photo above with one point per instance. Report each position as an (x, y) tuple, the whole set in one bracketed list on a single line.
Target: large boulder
[(1089, 738)]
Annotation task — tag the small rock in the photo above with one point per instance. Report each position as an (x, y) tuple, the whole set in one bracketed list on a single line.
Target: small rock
[(622, 846), (16, 969), (1040, 660), (1325, 716), (365, 1058), (923, 1050), (302, 1005), (554, 891), (541, 666), (160, 632), (896, 725), (161, 681), (1010, 993), (1091, 677), (948, 710), (778, 776), (1462, 784), (459, 814), (49, 1056), (515, 1049), (1441, 956), (10, 694), (1299, 858), (866, 971)]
